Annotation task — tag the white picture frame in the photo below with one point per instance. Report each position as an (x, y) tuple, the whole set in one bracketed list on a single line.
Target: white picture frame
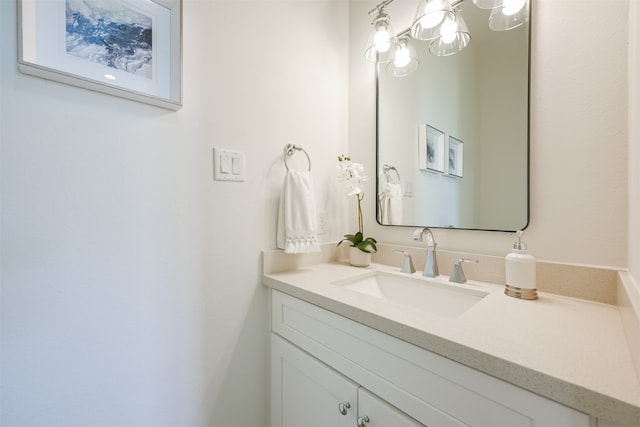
[(456, 157), (137, 54), (435, 149)]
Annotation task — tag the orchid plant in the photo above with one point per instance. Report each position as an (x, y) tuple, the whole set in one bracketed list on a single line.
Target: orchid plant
[(352, 174)]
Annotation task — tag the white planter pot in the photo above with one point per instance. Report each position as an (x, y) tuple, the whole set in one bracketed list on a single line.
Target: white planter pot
[(358, 258)]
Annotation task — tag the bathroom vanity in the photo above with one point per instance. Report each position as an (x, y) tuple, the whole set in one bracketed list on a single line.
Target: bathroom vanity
[(321, 360), (344, 355)]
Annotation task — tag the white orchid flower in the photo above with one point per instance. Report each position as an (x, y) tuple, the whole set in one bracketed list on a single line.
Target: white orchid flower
[(352, 174)]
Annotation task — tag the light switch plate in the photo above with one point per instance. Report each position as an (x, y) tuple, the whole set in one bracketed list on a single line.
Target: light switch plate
[(228, 165)]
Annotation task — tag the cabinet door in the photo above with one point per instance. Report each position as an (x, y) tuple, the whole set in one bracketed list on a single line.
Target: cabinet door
[(375, 412), (307, 393)]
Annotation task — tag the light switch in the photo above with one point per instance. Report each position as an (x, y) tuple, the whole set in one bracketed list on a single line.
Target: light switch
[(225, 164), (236, 165), (228, 165)]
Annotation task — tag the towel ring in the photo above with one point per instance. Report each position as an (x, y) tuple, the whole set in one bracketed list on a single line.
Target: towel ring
[(388, 168), (290, 150)]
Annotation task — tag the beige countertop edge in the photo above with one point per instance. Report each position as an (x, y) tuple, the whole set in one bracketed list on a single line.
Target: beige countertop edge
[(585, 399)]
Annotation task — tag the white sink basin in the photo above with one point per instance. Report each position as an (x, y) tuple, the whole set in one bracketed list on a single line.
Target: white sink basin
[(423, 294)]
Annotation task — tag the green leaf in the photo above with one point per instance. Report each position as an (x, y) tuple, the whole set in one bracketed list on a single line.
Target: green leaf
[(365, 245), (357, 238), (341, 241), (368, 245), (351, 238)]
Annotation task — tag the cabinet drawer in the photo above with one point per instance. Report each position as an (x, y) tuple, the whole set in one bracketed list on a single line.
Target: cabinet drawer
[(432, 389)]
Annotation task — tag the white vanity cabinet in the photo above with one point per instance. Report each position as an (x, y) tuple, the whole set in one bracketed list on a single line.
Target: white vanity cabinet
[(321, 360), (308, 393)]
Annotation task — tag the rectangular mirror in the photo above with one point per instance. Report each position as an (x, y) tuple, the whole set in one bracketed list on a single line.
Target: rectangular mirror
[(453, 136), (126, 48)]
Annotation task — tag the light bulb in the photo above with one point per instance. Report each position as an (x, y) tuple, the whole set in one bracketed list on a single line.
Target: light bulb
[(382, 40), (448, 31), (402, 57), (511, 7), (433, 14)]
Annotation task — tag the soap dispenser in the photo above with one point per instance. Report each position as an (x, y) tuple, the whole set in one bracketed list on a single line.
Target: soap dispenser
[(520, 272)]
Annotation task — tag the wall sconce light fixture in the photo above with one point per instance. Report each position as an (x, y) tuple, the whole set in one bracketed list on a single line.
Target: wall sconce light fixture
[(508, 14), (437, 21), (405, 60), (430, 16), (454, 36), (382, 38)]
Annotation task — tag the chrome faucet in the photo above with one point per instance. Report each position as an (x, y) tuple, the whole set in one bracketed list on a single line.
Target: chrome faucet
[(407, 265), (431, 266), (457, 275)]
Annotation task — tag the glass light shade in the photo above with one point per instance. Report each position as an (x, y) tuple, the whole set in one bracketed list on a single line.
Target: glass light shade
[(509, 14), (429, 17), (487, 4), (454, 36), (382, 40), (404, 61)]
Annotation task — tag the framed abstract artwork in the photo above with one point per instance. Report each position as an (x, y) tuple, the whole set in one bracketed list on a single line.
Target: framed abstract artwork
[(126, 48), (435, 149), (456, 157)]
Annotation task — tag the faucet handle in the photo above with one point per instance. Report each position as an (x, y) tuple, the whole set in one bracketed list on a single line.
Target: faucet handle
[(407, 265), (457, 275)]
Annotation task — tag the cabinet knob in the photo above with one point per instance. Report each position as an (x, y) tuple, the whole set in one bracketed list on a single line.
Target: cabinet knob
[(362, 421), (343, 407)]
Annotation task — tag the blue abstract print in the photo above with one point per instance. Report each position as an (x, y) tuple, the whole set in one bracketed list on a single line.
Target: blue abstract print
[(109, 33)]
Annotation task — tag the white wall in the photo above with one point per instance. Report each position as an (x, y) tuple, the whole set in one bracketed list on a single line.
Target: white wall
[(634, 141), (131, 290), (578, 135)]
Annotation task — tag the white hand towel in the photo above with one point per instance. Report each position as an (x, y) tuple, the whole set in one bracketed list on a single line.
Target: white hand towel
[(297, 224), (395, 204), (383, 201), (383, 196)]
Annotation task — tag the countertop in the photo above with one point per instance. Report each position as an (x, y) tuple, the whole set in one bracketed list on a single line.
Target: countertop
[(569, 350)]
